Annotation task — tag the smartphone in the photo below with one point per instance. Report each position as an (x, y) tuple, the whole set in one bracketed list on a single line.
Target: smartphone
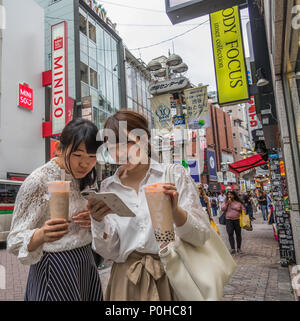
[(112, 200)]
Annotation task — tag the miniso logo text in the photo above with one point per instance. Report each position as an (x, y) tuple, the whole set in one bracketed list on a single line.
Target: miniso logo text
[(2, 278), (2, 17)]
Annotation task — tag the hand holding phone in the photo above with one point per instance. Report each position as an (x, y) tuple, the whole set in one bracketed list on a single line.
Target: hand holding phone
[(113, 204), (98, 209)]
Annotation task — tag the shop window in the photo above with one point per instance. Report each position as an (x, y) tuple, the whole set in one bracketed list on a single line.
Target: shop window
[(94, 78), (92, 32), (84, 75), (82, 24)]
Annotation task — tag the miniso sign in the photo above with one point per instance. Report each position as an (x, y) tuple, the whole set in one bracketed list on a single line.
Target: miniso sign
[(59, 56)]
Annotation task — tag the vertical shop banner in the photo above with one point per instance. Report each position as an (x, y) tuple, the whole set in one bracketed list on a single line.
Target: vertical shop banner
[(212, 165), (196, 100), (242, 186), (180, 133), (161, 111), (194, 170), (59, 63), (229, 57)]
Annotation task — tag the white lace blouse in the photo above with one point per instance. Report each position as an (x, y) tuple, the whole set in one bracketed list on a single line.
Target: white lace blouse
[(125, 235), (32, 211)]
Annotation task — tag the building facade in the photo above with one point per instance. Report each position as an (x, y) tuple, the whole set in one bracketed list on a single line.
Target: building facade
[(240, 132), (220, 139), (22, 147), (281, 20), (95, 58), (138, 79)]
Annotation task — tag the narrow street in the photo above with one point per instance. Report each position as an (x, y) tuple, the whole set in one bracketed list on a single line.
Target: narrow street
[(259, 276)]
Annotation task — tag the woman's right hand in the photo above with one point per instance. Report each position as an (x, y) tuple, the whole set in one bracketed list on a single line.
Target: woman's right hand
[(54, 229), (98, 209)]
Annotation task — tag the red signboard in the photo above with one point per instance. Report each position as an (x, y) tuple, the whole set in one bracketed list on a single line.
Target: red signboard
[(59, 58), (25, 96)]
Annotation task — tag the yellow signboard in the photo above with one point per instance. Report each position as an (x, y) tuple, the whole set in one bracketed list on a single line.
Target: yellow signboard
[(229, 56)]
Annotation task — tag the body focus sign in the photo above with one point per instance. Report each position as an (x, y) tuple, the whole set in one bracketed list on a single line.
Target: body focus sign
[(59, 58)]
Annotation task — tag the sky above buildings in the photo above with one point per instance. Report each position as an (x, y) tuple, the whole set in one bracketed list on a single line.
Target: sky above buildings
[(148, 33)]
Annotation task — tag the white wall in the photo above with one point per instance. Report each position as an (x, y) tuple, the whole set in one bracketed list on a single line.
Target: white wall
[(22, 148)]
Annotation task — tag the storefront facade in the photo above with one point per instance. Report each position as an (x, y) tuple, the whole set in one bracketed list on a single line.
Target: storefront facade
[(283, 32), (22, 99)]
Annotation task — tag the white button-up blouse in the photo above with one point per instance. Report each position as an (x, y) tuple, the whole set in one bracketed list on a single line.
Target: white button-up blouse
[(125, 235)]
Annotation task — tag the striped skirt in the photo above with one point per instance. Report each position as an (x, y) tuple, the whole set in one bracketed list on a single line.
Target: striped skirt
[(64, 276)]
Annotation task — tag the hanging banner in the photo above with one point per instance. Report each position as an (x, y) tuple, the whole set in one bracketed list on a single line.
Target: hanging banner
[(180, 133), (242, 186), (212, 165), (59, 63), (161, 111), (196, 100), (229, 57)]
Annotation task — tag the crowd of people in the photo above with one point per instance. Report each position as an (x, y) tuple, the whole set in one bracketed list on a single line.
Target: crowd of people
[(232, 204)]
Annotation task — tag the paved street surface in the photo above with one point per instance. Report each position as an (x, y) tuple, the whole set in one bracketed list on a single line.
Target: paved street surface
[(259, 276)]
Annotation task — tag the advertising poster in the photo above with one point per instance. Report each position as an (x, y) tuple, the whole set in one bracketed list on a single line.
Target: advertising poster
[(229, 57), (196, 100), (212, 165), (242, 186), (161, 111)]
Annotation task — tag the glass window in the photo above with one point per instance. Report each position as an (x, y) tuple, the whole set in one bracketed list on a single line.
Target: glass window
[(92, 32), (114, 54), (85, 90), (129, 103), (84, 75), (107, 43), (93, 78), (116, 93), (82, 24), (96, 116), (103, 117), (100, 45), (83, 49), (109, 88), (94, 95), (102, 80)]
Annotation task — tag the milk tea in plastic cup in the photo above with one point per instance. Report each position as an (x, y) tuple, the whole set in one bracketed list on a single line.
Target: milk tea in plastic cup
[(59, 192), (160, 208)]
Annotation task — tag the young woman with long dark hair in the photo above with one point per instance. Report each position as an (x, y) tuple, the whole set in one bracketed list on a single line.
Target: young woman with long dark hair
[(62, 266), (233, 207)]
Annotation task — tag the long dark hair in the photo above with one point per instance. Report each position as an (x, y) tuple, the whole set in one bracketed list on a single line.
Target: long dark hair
[(235, 196), (79, 131)]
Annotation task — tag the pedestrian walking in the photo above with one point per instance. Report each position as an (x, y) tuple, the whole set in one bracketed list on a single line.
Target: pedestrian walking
[(263, 204), (137, 273), (248, 204), (221, 198), (62, 266), (233, 207), (214, 205)]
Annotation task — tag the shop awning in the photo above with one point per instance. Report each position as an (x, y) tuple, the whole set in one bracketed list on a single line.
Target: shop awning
[(245, 164)]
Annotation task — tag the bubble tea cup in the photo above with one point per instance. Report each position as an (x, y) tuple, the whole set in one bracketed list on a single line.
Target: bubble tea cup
[(59, 192), (160, 208)]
